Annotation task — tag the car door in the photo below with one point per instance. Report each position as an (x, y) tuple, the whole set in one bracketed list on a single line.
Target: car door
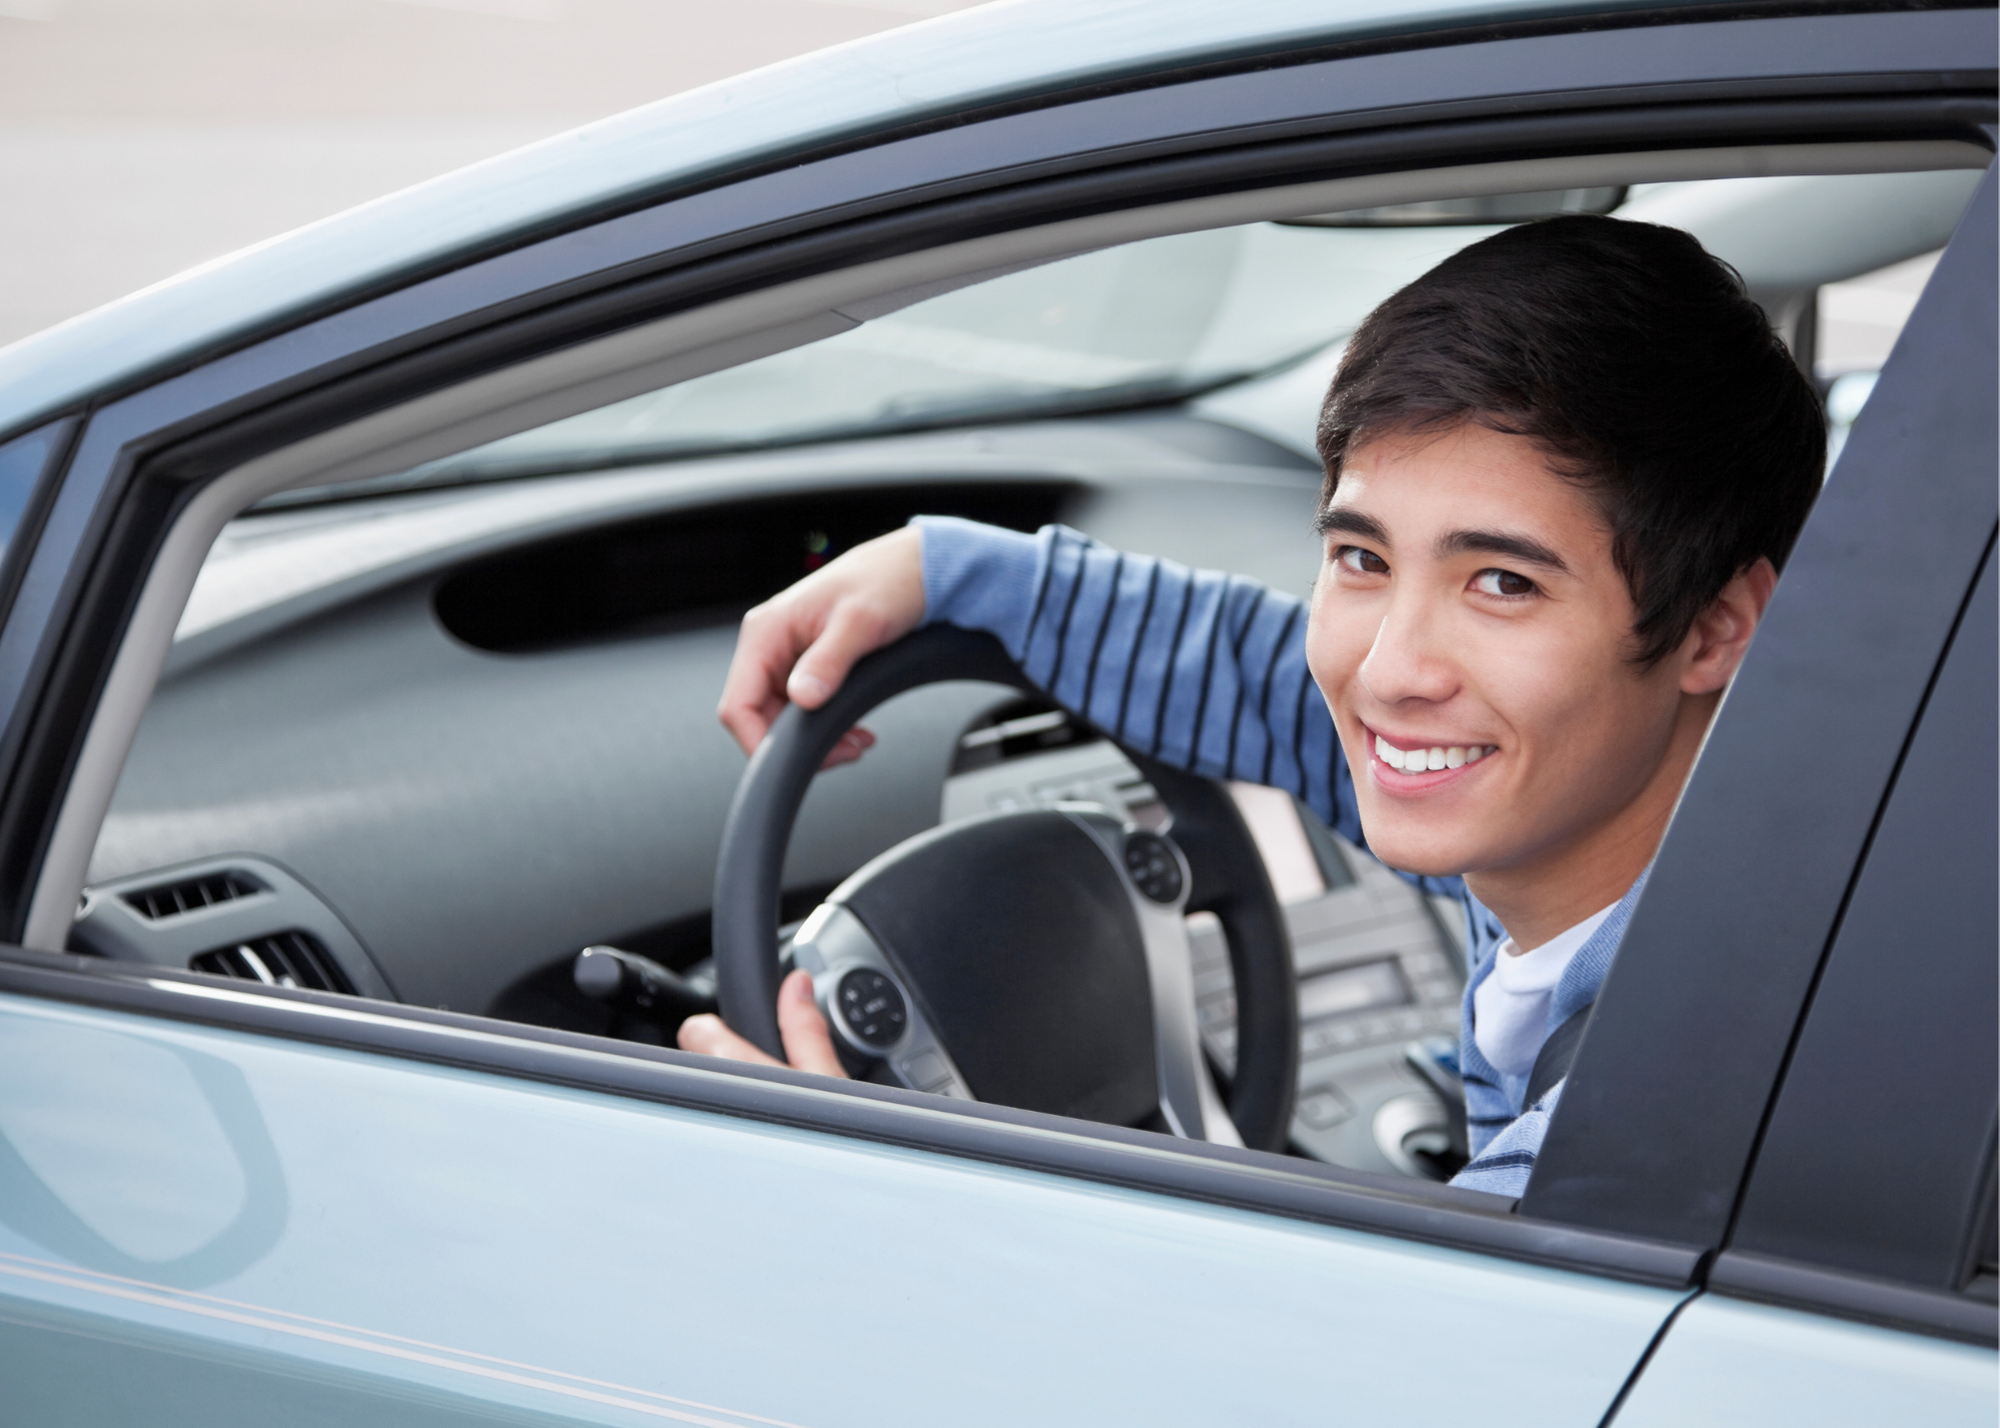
[(295, 1230), (223, 1204)]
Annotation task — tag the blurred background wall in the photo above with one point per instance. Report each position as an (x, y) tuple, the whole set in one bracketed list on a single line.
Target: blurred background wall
[(141, 137)]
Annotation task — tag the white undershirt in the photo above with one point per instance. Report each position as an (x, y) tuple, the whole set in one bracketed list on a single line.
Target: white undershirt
[(1511, 1007)]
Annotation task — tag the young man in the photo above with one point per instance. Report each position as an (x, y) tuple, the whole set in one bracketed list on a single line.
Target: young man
[(1562, 471)]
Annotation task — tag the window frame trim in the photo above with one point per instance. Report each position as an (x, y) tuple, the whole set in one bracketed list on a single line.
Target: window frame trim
[(1839, 1294)]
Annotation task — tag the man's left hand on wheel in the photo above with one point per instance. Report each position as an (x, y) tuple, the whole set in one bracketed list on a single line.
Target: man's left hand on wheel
[(808, 1042)]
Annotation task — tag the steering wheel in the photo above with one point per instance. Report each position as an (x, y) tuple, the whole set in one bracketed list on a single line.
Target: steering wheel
[(1035, 958)]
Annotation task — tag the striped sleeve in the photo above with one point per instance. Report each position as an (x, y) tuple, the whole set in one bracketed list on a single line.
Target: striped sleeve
[(1508, 1159), (1199, 669)]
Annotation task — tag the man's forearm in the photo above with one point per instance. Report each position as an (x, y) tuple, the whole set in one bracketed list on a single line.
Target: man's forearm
[(1199, 669)]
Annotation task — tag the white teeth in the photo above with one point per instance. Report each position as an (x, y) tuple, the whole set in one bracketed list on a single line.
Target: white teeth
[(1438, 756)]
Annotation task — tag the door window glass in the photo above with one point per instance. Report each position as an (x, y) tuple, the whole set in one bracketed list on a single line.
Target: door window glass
[(1859, 321)]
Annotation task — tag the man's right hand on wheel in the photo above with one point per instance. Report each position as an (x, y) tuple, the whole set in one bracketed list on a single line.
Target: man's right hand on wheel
[(799, 645)]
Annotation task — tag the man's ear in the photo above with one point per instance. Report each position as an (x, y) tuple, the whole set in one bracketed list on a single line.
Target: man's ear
[(1717, 643)]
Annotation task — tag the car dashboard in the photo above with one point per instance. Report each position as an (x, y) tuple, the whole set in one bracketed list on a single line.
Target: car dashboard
[(428, 745)]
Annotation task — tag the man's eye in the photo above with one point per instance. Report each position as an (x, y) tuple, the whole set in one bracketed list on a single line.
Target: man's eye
[(1502, 582), (1361, 562)]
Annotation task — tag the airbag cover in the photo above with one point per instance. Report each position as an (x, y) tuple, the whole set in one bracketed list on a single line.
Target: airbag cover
[(1017, 936)]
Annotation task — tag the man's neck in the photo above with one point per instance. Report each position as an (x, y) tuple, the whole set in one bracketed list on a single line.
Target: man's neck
[(1540, 898)]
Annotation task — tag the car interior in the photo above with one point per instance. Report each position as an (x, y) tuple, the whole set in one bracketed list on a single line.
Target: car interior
[(424, 707)]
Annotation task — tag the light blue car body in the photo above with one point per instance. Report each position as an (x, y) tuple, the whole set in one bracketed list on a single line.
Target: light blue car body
[(225, 1228), (419, 1236), (216, 1227)]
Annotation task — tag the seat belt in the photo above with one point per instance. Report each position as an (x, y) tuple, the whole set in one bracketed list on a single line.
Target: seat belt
[(1553, 1063)]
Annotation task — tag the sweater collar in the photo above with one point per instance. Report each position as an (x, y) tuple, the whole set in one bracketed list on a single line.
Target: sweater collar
[(1584, 977)]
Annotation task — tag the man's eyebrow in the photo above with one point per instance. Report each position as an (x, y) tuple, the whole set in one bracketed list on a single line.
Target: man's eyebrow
[(1525, 549), (1340, 520)]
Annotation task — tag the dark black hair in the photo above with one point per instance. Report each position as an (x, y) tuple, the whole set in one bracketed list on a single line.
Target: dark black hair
[(1639, 363)]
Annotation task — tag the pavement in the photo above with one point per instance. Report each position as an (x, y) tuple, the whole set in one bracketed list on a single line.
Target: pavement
[(139, 138)]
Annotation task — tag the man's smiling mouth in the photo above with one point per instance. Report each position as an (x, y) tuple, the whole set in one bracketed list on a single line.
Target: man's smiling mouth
[(1430, 757)]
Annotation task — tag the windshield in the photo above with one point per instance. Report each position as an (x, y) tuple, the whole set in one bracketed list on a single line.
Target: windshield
[(1140, 324), (1190, 315)]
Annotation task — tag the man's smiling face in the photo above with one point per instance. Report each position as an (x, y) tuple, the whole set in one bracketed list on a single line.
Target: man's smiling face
[(1473, 639)]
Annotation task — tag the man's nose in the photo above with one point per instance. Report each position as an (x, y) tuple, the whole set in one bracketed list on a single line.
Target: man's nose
[(1406, 660)]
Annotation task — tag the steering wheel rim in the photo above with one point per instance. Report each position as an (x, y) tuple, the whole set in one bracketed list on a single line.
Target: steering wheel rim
[(1229, 879)]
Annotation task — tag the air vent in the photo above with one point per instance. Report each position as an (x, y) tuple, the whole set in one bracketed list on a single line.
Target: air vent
[(189, 895), (282, 959)]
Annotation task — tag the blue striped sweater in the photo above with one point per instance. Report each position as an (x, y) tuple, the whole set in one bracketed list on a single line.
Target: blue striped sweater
[(1208, 672)]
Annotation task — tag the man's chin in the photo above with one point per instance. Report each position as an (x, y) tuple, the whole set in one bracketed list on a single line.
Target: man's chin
[(1425, 857)]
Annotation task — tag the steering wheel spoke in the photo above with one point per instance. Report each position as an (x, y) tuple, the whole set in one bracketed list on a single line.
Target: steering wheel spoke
[(1158, 880)]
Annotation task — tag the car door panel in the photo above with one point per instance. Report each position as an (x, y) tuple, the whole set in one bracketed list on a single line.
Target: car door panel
[(66, 1366), (430, 1242), (1725, 1362)]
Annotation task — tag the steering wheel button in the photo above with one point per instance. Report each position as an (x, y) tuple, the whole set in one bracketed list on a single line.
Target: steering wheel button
[(1151, 864), (873, 1008)]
